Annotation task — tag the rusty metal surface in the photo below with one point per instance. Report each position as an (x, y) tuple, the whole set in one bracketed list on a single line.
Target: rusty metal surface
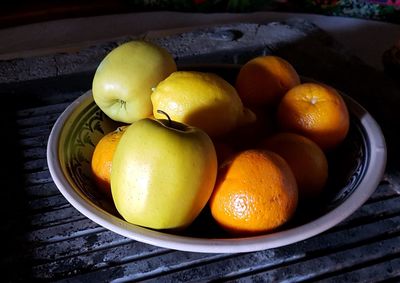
[(46, 239)]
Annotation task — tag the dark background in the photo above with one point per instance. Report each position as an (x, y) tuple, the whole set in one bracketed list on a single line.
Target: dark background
[(13, 13)]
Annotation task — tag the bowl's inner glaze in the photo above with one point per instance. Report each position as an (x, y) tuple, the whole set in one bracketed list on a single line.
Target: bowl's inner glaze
[(346, 168)]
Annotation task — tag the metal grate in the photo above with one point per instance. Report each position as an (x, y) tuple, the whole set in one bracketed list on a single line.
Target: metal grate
[(60, 243), (49, 240)]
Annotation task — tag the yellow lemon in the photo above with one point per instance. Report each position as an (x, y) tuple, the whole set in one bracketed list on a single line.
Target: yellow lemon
[(200, 99)]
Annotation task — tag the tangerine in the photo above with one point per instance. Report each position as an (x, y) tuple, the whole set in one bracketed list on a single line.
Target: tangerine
[(255, 192), (306, 159), (264, 80), (101, 162), (316, 111)]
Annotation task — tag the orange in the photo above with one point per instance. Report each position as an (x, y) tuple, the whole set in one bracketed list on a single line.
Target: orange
[(255, 192), (316, 111), (102, 159), (264, 80), (306, 159)]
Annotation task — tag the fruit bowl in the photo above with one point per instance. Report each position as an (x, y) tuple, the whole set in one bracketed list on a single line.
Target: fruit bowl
[(356, 168)]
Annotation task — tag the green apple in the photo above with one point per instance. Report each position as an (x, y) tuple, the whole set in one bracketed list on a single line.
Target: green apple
[(163, 173), (123, 82)]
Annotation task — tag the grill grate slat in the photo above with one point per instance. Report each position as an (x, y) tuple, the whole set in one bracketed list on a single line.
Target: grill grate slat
[(47, 203), (372, 211), (90, 243), (384, 191), (54, 217), (36, 141), (38, 177), (389, 269), (43, 130), (47, 119), (43, 110), (35, 165), (42, 190), (63, 232), (33, 153)]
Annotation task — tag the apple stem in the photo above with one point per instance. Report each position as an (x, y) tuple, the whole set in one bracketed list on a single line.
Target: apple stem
[(123, 103), (164, 113)]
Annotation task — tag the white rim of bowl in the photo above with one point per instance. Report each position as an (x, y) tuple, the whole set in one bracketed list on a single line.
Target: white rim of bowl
[(372, 177)]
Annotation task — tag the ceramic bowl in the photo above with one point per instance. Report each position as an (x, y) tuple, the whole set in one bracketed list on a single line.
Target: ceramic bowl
[(356, 169)]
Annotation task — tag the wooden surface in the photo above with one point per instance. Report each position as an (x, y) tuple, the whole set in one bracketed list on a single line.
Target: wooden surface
[(48, 240)]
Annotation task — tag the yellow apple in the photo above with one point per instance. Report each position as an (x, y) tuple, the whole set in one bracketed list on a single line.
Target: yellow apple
[(163, 173), (124, 79)]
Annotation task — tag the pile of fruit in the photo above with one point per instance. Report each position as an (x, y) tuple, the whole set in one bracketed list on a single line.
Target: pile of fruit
[(248, 152)]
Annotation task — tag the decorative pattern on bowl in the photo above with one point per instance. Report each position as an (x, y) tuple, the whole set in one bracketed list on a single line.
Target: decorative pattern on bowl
[(89, 125)]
